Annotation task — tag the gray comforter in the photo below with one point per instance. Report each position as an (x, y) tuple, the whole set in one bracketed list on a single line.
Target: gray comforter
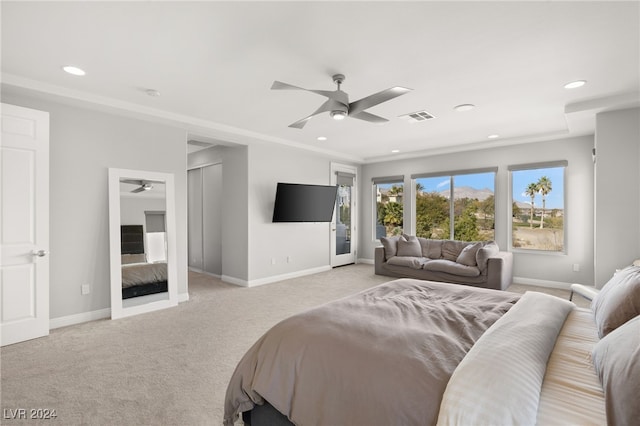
[(382, 356)]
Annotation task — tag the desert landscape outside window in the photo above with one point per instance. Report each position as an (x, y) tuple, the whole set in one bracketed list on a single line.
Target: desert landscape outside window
[(458, 206), (538, 207)]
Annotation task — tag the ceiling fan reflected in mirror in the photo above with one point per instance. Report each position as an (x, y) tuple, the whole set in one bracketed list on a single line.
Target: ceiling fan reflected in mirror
[(144, 185), (338, 104)]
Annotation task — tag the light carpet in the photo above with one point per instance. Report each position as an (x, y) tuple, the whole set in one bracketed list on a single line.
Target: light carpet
[(169, 367)]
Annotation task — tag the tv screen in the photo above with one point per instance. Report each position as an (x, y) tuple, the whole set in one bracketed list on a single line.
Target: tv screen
[(304, 203)]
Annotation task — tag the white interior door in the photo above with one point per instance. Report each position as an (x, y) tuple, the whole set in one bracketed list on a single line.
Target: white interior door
[(24, 224), (343, 227)]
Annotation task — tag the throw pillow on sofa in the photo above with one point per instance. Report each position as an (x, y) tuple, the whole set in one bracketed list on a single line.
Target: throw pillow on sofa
[(489, 249), (468, 255), (390, 245), (409, 246), (451, 249)]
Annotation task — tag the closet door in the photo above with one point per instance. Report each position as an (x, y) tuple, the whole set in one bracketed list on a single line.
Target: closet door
[(212, 199), (194, 183)]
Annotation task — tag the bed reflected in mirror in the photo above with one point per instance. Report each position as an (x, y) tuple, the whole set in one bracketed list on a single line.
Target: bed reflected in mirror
[(142, 255)]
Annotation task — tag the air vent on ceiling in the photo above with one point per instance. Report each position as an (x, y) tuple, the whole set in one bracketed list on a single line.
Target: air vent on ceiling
[(418, 116)]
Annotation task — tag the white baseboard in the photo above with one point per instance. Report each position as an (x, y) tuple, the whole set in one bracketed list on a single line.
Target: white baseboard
[(367, 261), (542, 283), (93, 315), (274, 278), (200, 271), (79, 318)]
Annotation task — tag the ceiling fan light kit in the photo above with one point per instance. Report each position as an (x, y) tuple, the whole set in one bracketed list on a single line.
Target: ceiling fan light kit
[(338, 105), (338, 115)]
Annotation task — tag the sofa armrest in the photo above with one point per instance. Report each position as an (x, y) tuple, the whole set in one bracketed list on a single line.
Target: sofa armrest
[(500, 270), (379, 260)]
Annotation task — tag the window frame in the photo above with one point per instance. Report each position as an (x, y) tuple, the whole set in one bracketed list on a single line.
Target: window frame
[(451, 175), (398, 179), (534, 166)]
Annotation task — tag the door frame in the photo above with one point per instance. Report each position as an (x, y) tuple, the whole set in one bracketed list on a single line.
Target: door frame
[(345, 259)]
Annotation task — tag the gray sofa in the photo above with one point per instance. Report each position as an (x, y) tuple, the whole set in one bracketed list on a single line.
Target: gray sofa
[(479, 264)]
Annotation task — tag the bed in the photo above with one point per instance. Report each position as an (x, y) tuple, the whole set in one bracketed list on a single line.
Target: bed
[(139, 277), (413, 352)]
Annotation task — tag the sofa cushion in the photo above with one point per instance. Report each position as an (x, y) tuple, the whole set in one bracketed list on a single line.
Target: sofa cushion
[(442, 265), (451, 249), (489, 249), (390, 245), (618, 301), (408, 261), (409, 245), (468, 254), (431, 248)]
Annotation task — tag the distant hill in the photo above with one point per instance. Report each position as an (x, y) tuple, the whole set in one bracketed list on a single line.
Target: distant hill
[(468, 192)]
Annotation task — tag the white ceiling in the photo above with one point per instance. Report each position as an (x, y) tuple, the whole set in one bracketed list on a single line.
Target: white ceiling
[(214, 63)]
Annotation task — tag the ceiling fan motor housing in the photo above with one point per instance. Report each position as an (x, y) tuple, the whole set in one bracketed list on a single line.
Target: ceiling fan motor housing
[(338, 104)]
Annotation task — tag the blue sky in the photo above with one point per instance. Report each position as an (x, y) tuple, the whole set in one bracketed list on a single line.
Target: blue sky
[(478, 181), (521, 179)]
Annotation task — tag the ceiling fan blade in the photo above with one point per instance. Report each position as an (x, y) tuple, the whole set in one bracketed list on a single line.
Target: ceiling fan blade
[(139, 189), (375, 99), (327, 106), (367, 116), (278, 85), (132, 181)]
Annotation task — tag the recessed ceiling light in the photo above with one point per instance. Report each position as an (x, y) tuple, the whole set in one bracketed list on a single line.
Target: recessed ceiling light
[(322, 138), (73, 70), (464, 107), (494, 136), (152, 92), (575, 84), (395, 151)]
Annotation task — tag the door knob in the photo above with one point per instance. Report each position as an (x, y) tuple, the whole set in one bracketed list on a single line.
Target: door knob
[(40, 253)]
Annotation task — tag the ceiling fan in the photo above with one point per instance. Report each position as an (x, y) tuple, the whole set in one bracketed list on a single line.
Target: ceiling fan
[(338, 104), (145, 185)]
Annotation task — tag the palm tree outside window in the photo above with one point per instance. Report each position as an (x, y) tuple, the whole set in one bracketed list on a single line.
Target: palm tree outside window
[(538, 228)]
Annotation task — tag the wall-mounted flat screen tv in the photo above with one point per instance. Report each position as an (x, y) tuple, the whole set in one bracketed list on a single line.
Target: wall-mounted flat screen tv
[(297, 202)]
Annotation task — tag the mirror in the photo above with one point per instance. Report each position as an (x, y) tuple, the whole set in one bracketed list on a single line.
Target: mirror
[(142, 242)]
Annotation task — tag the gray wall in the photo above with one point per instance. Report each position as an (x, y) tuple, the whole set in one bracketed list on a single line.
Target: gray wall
[(307, 245), (83, 144), (132, 209), (235, 213), (533, 267), (617, 185)]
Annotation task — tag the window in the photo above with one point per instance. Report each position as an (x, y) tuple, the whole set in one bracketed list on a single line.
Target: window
[(461, 204), (537, 199), (388, 193)]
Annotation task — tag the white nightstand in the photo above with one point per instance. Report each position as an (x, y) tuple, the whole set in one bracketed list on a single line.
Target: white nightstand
[(587, 292)]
